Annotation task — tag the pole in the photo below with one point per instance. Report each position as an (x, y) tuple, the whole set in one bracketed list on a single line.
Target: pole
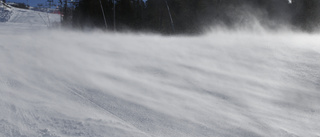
[(114, 15), (48, 15), (65, 8), (172, 24), (104, 17)]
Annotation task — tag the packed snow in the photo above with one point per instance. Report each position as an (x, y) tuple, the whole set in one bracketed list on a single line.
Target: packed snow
[(57, 83), (26, 18)]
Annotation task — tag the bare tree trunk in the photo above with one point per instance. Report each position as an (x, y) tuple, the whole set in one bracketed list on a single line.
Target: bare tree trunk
[(114, 15), (104, 16), (172, 24), (65, 14)]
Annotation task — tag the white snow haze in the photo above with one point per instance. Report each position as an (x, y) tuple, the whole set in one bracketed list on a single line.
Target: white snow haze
[(65, 83)]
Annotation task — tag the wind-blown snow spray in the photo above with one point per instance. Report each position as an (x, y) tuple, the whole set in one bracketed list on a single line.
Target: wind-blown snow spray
[(223, 83)]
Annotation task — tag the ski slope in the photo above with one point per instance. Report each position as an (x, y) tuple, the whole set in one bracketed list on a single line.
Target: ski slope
[(56, 83), (5, 12), (26, 19)]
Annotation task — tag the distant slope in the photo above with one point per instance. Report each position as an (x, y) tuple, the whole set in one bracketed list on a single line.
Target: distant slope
[(27, 17), (32, 17), (5, 12)]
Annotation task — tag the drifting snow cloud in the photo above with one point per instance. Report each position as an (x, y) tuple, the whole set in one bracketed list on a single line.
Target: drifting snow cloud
[(239, 83)]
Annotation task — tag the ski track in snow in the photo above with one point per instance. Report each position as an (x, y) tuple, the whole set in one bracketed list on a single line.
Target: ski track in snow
[(56, 83)]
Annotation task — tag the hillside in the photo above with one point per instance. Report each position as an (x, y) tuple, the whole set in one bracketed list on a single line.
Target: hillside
[(11, 15), (56, 83)]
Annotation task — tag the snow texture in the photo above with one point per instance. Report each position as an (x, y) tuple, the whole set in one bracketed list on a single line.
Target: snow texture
[(5, 12), (31, 18), (56, 83)]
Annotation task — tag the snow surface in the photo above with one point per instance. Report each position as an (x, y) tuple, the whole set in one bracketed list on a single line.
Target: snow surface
[(56, 83), (25, 17)]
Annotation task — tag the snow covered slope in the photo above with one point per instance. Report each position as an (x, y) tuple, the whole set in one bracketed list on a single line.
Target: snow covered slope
[(5, 12), (25, 17), (241, 84), (33, 17)]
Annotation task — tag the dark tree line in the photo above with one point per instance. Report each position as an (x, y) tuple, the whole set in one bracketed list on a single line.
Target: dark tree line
[(307, 14), (193, 16)]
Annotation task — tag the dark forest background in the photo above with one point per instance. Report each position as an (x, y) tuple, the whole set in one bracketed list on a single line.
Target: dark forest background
[(190, 16)]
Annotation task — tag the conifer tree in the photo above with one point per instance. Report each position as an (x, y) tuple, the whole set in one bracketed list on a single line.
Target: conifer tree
[(192, 16), (308, 15)]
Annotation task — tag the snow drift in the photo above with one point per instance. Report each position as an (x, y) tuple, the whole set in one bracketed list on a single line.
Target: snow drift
[(65, 83)]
